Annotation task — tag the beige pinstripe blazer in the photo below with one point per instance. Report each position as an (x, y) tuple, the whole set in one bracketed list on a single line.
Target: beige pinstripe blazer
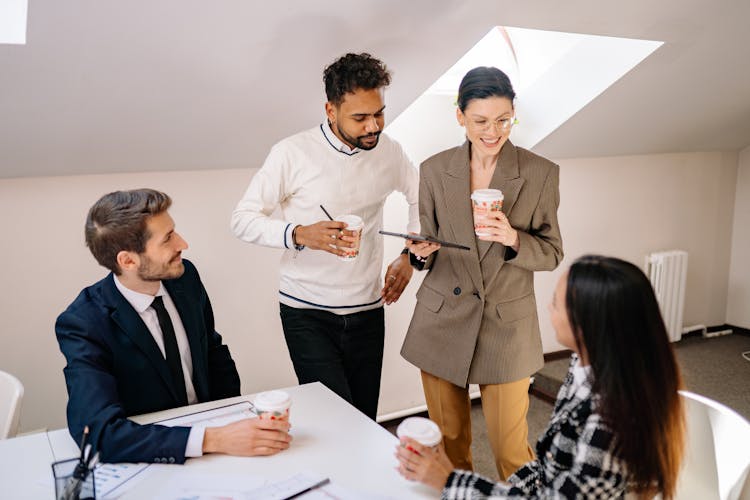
[(475, 320)]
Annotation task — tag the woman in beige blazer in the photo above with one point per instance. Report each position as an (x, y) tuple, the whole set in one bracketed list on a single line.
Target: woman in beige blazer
[(475, 321)]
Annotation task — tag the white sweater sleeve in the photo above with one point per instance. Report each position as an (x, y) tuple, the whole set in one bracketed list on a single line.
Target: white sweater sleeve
[(408, 184), (251, 219)]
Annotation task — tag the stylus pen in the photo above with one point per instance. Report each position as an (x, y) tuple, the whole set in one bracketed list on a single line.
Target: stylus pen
[(316, 485)]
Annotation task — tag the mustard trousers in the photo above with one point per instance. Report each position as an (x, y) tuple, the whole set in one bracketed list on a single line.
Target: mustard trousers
[(504, 406)]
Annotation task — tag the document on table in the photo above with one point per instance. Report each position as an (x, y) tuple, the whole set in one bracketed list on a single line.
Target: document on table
[(308, 486), (113, 480), (215, 417)]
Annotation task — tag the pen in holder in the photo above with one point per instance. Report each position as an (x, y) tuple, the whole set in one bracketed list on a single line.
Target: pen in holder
[(72, 483), (71, 475)]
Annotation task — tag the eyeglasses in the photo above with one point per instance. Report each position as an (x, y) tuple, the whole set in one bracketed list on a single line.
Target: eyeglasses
[(502, 124)]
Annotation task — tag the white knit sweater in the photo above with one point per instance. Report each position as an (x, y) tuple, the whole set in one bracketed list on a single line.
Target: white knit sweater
[(314, 168)]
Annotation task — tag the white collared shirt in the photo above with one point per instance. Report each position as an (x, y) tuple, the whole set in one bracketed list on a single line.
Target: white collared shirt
[(337, 143), (141, 302)]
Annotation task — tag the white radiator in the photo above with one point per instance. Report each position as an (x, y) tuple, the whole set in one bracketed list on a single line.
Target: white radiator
[(668, 274)]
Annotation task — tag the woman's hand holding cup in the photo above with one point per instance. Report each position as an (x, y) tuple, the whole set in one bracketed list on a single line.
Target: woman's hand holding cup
[(497, 228)]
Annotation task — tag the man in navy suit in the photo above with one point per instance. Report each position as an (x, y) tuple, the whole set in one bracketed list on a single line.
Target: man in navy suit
[(143, 340)]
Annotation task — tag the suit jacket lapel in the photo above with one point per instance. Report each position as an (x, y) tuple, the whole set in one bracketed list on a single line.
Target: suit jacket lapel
[(187, 313), (507, 178), (133, 326), (456, 185)]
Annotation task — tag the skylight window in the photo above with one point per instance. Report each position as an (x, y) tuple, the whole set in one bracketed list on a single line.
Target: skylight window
[(554, 75), (13, 21)]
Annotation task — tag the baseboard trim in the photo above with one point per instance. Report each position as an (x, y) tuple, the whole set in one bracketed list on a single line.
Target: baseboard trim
[(535, 389), (397, 416), (555, 355), (737, 329), (698, 332), (544, 396)]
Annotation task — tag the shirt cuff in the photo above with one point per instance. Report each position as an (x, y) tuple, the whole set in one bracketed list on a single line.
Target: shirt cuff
[(288, 243), (289, 237), (194, 446)]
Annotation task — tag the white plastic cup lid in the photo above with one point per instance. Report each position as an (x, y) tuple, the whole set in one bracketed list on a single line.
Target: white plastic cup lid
[(423, 430), (487, 195), (272, 401), (353, 222)]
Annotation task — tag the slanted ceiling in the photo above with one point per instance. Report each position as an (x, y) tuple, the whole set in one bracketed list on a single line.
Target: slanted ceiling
[(111, 86)]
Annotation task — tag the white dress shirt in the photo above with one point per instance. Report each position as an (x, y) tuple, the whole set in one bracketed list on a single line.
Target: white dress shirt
[(141, 302)]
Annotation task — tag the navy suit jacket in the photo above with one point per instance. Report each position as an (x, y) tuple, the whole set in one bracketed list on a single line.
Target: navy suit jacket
[(115, 369)]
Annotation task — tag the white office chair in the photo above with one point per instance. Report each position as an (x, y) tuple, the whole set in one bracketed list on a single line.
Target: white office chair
[(11, 392), (717, 460)]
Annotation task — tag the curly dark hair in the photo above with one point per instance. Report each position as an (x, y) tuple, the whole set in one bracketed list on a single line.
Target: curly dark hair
[(351, 72)]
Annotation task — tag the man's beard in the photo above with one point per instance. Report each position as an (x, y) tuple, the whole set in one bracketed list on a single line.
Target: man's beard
[(357, 141), (149, 271)]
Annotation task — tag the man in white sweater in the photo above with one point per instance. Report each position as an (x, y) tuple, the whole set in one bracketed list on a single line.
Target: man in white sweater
[(332, 310)]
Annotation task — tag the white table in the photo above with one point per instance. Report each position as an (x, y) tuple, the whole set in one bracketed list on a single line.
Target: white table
[(331, 438)]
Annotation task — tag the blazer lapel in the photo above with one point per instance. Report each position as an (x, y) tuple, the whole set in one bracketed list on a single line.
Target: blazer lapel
[(507, 178), (187, 313), (133, 326), (456, 185)]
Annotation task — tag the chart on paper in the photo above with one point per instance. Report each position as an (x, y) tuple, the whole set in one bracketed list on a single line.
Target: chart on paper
[(215, 417)]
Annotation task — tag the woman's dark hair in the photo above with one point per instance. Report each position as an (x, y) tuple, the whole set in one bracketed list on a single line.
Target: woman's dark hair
[(615, 318), (351, 72), (117, 221), (483, 82)]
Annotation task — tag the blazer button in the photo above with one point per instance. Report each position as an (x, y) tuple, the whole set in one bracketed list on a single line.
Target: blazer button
[(457, 291), (171, 460)]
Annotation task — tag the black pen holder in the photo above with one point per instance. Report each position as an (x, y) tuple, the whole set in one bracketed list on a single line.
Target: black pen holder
[(62, 472)]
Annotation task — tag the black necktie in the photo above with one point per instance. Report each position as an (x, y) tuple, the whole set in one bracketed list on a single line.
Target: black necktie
[(171, 351)]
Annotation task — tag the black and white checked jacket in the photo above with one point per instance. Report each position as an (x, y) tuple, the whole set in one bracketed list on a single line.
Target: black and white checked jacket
[(575, 457)]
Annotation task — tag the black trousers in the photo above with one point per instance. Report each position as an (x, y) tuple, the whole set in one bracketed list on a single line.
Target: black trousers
[(343, 352)]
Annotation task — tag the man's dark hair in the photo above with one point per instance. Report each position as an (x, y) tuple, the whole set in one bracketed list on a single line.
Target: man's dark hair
[(484, 82), (351, 72), (117, 222)]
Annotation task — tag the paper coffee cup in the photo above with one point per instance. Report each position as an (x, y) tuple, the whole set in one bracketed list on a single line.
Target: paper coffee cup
[(484, 201), (422, 430), (353, 223), (272, 405)]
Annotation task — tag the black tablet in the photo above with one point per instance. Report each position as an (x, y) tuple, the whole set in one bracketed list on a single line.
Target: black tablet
[(419, 237)]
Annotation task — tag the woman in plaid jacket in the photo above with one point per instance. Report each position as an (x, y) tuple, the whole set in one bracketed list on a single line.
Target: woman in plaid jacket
[(618, 422)]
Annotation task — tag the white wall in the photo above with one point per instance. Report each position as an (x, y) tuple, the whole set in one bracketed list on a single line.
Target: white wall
[(625, 206), (738, 302), (632, 205)]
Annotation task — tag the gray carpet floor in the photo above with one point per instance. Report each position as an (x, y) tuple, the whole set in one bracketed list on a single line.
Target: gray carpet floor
[(713, 367)]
